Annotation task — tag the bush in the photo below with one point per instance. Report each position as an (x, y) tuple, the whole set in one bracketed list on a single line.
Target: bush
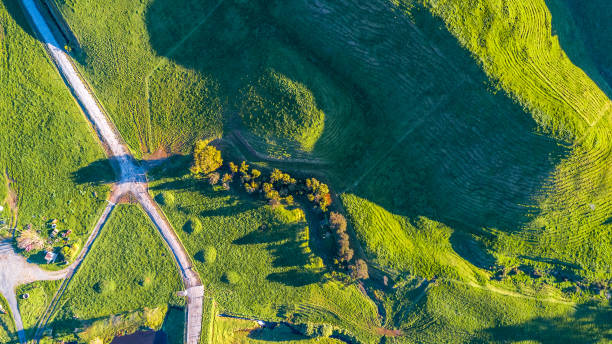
[(231, 277), (359, 270), (193, 225), (165, 198), (207, 255), (214, 178), (146, 280), (30, 240), (105, 287)]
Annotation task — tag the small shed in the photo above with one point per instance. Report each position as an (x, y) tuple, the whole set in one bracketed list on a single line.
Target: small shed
[(50, 257)]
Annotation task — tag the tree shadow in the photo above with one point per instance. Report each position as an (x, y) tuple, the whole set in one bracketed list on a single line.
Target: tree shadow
[(15, 11), (108, 170), (280, 333), (589, 324), (296, 277), (96, 173), (287, 252)]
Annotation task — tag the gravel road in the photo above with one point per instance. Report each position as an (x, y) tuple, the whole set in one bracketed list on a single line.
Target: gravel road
[(132, 178)]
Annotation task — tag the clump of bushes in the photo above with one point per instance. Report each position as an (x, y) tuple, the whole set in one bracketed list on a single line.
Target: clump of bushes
[(315, 330), (193, 225), (105, 287), (231, 277), (358, 269), (165, 198), (281, 188), (337, 223), (207, 255)]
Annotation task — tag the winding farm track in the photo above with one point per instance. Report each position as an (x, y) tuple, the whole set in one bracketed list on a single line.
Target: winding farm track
[(132, 181)]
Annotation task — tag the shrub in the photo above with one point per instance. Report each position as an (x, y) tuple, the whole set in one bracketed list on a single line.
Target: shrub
[(345, 253), (30, 240), (146, 280), (315, 330), (231, 277), (105, 287), (207, 255), (165, 198), (359, 270), (193, 225), (337, 222), (214, 178)]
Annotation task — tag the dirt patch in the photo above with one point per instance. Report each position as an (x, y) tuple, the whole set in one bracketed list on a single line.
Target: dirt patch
[(127, 198), (389, 333), (160, 154)]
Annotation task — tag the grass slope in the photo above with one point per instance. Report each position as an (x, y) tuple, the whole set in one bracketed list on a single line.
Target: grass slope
[(275, 269), (44, 139), (128, 269)]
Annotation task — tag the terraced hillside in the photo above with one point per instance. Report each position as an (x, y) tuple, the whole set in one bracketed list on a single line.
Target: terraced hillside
[(44, 139)]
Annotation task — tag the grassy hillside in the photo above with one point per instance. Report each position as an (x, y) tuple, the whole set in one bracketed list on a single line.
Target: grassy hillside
[(128, 269), (44, 138), (278, 107), (462, 138), (275, 269), (173, 70)]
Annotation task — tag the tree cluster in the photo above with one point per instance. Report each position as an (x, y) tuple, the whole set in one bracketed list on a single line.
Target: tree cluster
[(318, 193), (358, 269), (315, 330), (279, 187)]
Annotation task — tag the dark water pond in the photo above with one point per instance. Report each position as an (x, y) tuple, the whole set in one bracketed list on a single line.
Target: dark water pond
[(143, 337)]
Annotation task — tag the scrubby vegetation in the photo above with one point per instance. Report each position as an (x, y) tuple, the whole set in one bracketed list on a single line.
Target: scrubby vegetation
[(129, 269)]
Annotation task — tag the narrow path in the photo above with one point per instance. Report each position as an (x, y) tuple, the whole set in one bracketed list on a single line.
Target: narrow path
[(132, 177)]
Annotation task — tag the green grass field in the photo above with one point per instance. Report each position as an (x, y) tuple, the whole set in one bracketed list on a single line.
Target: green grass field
[(7, 326), (44, 138), (463, 137), (40, 295), (129, 269), (274, 267)]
